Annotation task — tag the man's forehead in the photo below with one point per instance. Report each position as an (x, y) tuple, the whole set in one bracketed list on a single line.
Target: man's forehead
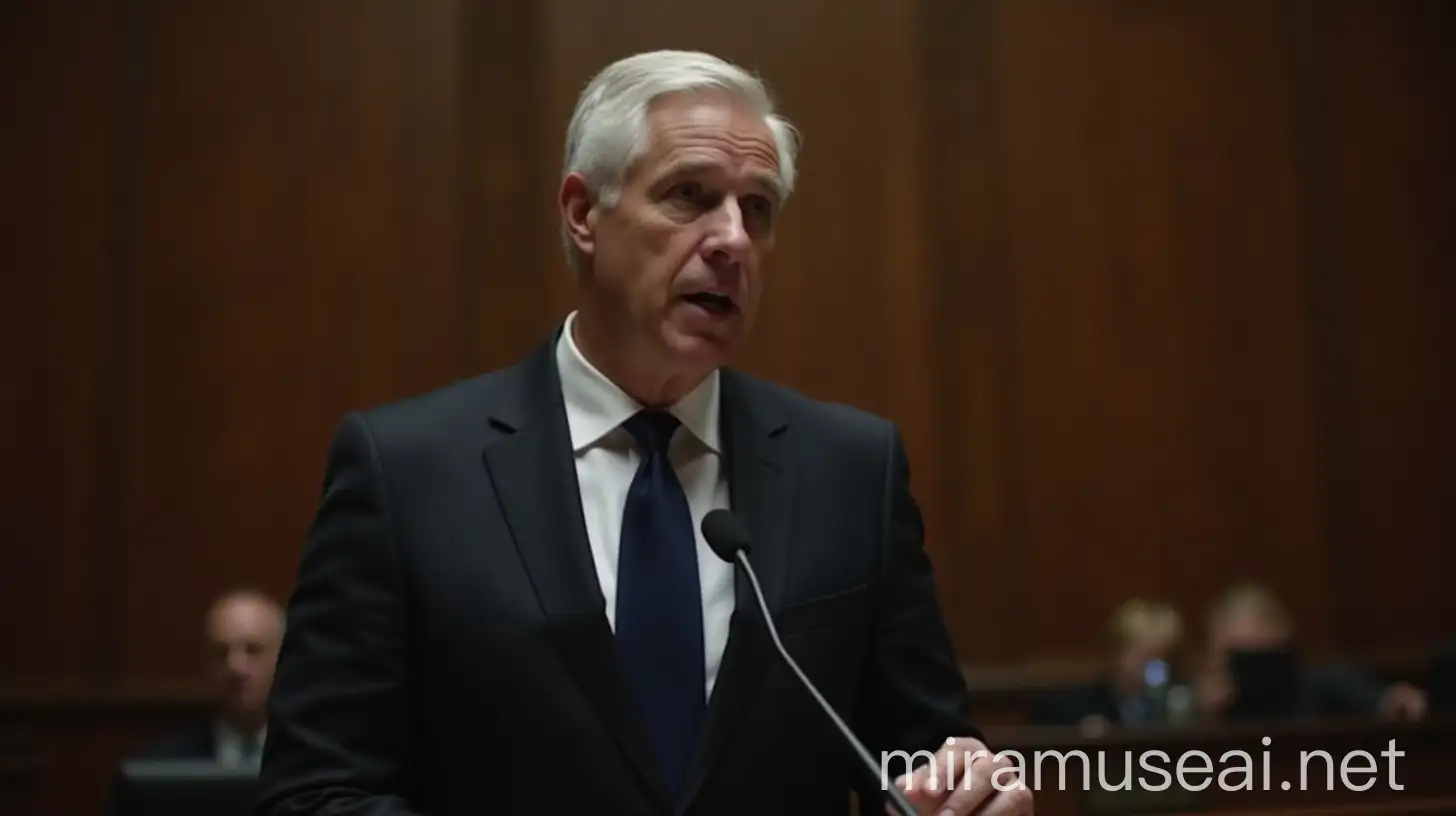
[(706, 134), (244, 613)]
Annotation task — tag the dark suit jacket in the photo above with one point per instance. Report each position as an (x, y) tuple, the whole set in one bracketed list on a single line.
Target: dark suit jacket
[(194, 742), (447, 650), (1325, 690)]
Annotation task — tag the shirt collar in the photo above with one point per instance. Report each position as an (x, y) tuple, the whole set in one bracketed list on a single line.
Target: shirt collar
[(596, 406), (226, 734)]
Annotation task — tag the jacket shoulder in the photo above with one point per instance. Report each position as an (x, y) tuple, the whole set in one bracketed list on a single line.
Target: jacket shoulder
[(462, 400), (835, 420)]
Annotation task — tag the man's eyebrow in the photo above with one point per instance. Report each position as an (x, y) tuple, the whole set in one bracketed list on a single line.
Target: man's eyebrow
[(689, 167)]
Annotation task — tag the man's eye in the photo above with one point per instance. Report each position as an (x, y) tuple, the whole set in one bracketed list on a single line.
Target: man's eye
[(687, 191)]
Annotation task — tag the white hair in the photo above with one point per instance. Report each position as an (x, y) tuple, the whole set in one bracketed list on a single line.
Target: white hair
[(608, 129)]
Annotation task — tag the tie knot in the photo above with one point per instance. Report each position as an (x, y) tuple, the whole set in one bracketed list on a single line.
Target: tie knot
[(652, 429)]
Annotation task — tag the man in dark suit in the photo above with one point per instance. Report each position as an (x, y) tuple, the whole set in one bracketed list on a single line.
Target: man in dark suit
[(242, 633), (1250, 618), (1140, 685), (507, 605)]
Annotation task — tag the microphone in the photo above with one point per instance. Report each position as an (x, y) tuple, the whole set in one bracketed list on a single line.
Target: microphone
[(728, 539)]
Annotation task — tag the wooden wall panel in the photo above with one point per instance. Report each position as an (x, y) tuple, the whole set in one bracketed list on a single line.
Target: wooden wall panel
[(73, 741), (965, 206), (1388, 81), (512, 283), (296, 258), (59, 79), (1157, 345)]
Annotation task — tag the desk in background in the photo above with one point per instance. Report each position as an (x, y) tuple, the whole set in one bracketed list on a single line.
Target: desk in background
[(19, 769)]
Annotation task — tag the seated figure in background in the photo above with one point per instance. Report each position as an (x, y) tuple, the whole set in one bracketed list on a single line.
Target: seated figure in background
[(243, 631), (1139, 688), (1249, 626)]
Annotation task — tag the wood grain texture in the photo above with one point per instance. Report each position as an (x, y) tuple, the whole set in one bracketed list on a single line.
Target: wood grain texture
[(60, 76), (1157, 352), (1389, 85), (296, 258)]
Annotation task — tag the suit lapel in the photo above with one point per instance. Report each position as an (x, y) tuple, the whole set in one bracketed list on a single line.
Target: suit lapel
[(761, 485), (532, 468)]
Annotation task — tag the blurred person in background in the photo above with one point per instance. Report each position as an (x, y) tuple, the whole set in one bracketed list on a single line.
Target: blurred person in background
[(242, 632), (1139, 688), (1251, 619)]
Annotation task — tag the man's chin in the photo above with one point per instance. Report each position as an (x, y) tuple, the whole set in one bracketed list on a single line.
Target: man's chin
[(705, 350)]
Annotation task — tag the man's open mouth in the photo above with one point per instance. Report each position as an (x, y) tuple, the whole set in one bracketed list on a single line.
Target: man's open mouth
[(712, 302)]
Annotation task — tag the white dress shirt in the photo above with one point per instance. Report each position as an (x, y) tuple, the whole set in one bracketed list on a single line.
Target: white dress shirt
[(607, 459), (229, 749)]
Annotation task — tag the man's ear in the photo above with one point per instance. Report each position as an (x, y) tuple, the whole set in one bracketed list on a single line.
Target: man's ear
[(579, 212)]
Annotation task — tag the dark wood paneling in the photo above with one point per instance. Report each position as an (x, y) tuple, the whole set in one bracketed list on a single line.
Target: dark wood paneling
[(512, 283), (58, 81), (1158, 347), (75, 736), (19, 774), (977, 450), (1389, 77), (297, 258), (331, 217)]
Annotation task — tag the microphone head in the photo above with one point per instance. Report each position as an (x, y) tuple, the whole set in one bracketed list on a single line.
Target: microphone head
[(726, 534)]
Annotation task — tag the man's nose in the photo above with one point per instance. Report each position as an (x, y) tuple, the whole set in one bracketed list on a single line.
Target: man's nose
[(728, 242), (237, 663)]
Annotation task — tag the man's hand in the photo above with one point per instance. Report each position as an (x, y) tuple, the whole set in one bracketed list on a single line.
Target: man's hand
[(966, 778)]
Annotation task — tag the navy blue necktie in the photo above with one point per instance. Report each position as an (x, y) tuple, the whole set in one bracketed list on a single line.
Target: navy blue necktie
[(659, 624)]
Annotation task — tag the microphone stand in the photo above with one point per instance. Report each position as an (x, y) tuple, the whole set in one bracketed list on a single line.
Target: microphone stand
[(898, 798)]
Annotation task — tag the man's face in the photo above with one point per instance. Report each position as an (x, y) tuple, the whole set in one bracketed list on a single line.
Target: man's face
[(676, 263), (242, 651), (1245, 631)]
